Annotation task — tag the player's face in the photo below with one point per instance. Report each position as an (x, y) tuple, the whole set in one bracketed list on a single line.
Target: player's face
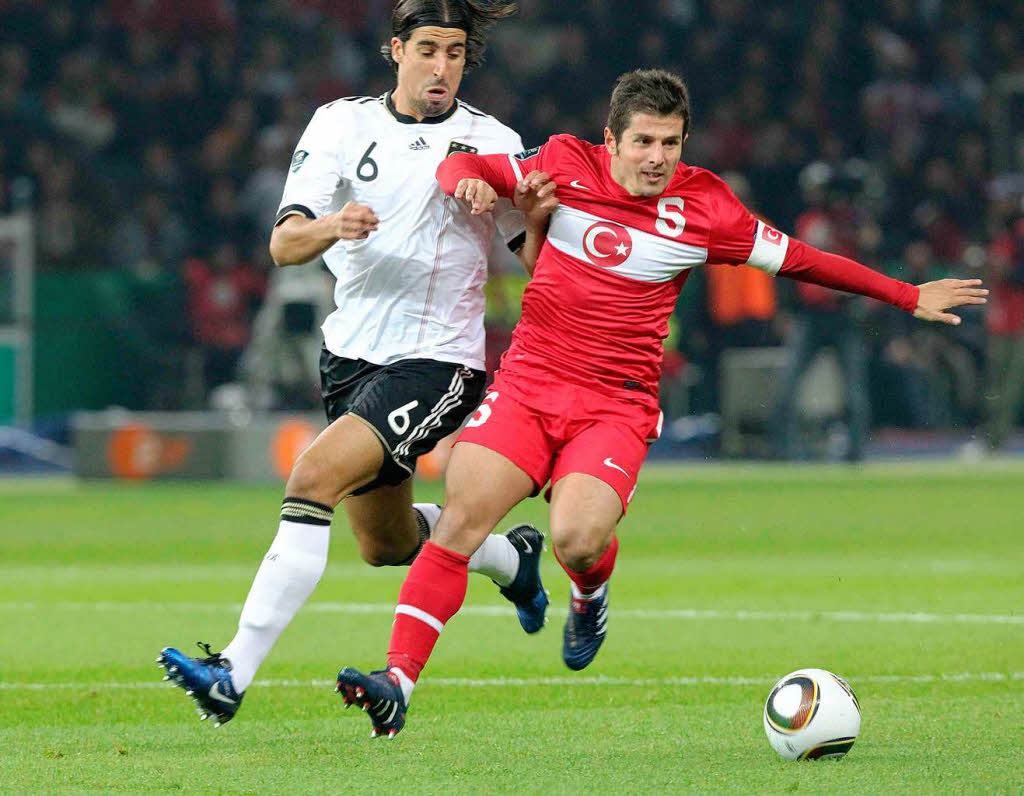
[(430, 66), (645, 157)]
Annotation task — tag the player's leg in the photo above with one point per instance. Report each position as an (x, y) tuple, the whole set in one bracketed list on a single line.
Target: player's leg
[(343, 457), (585, 511), (502, 457), (346, 456), (391, 530), (388, 530), (411, 406), (481, 488), (593, 482)]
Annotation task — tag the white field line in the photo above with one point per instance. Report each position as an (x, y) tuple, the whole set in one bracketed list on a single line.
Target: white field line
[(691, 614), (529, 682)]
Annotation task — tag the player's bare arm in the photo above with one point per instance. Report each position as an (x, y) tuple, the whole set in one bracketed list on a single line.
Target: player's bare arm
[(937, 297), (297, 239), (536, 196)]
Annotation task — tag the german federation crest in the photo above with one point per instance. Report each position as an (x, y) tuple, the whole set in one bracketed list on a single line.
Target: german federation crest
[(458, 146)]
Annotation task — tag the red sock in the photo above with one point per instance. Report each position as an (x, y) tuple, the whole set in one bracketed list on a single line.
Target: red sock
[(432, 593), (590, 581)]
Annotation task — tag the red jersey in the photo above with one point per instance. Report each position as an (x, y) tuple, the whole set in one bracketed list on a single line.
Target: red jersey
[(596, 311)]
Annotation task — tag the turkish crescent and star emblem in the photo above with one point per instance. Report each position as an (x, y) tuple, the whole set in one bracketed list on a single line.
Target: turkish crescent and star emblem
[(606, 244), (771, 235)]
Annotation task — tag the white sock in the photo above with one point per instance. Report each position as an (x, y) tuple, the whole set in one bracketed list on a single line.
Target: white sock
[(289, 573), (431, 512), (404, 681), (496, 558)]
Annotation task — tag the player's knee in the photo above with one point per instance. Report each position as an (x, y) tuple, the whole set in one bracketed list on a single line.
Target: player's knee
[(307, 476), (458, 526), (580, 547), (382, 556), (387, 543)]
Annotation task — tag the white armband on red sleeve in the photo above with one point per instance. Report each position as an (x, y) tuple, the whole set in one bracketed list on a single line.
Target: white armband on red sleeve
[(770, 247), (516, 168)]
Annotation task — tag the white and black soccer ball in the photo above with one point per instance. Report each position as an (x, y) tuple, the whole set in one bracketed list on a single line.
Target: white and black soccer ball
[(810, 714)]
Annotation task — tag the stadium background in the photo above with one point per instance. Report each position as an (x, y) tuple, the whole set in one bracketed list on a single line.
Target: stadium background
[(148, 142), (144, 144)]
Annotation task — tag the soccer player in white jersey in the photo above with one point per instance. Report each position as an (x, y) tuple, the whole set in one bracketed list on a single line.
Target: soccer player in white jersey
[(403, 358)]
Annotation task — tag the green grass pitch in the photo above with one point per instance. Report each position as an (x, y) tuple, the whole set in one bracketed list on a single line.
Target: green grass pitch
[(906, 580)]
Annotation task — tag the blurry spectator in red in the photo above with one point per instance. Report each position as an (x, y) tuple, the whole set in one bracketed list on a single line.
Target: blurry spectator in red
[(1005, 321), (224, 293)]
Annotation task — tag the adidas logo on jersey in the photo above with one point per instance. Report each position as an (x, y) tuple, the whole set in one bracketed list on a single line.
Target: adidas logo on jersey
[(419, 144)]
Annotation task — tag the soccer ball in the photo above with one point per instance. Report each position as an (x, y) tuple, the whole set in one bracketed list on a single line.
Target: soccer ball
[(811, 713)]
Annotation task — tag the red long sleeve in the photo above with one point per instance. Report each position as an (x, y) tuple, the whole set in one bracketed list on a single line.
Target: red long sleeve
[(807, 264), (495, 170)]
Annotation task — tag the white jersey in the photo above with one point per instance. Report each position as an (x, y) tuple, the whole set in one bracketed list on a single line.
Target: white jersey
[(414, 288)]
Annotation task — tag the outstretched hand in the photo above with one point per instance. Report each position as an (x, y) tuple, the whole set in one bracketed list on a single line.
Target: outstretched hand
[(535, 196), (937, 297), (479, 195)]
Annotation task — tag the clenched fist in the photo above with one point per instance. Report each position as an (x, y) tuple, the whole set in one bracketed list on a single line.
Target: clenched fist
[(355, 222)]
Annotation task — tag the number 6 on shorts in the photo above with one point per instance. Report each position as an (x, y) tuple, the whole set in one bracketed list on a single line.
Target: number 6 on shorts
[(399, 419), (483, 412)]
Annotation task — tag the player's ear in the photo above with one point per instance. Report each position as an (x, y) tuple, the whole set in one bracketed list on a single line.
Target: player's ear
[(397, 49), (609, 141)]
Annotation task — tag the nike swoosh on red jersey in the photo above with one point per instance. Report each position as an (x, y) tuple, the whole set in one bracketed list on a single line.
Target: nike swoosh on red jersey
[(609, 463)]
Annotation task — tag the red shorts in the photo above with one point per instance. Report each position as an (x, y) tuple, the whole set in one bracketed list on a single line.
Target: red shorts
[(577, 430)]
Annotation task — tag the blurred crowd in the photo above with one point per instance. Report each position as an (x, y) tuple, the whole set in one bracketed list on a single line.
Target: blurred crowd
[(154, 138)]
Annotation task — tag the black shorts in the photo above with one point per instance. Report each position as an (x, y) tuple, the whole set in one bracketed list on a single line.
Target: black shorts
[(411, 405)]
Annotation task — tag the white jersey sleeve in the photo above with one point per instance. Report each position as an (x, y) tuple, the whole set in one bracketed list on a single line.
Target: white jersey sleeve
[(508, 219), (316, 183)]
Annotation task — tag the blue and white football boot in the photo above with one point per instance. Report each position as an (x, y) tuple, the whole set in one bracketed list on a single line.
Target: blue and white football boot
[(585, 628), (207, 680), (378, 694), (526, 592)]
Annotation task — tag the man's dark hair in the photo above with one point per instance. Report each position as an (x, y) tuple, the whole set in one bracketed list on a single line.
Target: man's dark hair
[(476, 17), (652, 91)]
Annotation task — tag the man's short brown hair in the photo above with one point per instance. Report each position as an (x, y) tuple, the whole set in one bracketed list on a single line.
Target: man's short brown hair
[(652, 91), (476, 17)]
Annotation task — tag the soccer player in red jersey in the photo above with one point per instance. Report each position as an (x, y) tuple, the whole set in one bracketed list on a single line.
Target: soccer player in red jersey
[(575, 402)]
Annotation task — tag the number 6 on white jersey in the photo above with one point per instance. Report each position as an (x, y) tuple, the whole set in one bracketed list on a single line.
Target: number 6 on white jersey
[(483, 412)]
